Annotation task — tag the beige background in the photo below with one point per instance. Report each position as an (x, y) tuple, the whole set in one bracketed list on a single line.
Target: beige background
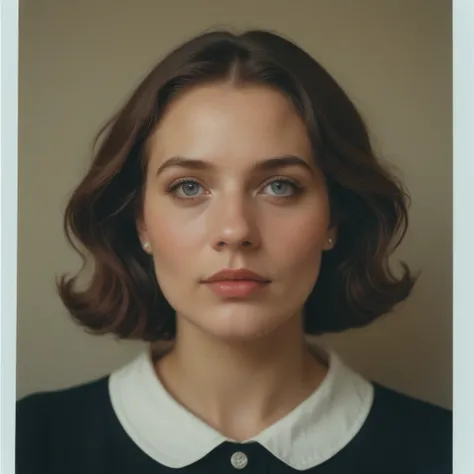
[(79, 60)]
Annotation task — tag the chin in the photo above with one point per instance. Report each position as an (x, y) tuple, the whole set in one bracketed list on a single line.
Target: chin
[(236, 337), (241, 326)]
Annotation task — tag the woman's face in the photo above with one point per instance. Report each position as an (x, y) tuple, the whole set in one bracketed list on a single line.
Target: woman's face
[(232, 184)]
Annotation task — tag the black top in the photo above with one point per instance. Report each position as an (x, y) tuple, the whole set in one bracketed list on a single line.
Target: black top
[(76, 431)]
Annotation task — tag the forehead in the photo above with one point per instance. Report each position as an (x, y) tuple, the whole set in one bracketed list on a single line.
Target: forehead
[(223, 122)]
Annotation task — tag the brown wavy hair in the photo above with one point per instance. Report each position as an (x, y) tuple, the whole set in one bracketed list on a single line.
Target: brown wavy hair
[(368, 204)]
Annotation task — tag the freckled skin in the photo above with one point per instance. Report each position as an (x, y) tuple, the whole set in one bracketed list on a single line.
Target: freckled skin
[(232, 128)]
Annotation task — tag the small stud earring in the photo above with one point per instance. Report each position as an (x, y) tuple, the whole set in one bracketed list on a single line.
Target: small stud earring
[(146, 246), (330, 241)]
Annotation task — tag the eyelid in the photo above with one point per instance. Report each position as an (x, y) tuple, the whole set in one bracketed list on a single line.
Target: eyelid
[(280, 178), (183, 180)]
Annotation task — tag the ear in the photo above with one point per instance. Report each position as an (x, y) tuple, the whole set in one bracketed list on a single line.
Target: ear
[(143, 235), (330, 241)]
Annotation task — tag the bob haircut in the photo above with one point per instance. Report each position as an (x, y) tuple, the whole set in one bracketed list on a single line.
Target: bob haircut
[(368, 204)]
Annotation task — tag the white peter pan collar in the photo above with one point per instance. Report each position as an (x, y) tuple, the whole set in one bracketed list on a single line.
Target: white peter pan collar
[(311, 434)]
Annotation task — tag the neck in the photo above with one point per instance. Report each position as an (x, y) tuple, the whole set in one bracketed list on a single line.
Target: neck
[(240, 388)]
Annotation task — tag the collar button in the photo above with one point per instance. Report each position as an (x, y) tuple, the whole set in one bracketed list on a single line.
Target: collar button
[(239, 460)]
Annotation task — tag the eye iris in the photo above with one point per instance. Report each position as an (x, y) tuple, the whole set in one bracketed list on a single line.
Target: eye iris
[(190, 189), (280, 187)]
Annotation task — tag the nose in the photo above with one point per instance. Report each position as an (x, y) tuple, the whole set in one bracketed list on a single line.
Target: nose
[(235, 225)]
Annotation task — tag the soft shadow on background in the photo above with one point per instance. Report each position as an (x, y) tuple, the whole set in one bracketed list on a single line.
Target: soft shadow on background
[(79, 61)]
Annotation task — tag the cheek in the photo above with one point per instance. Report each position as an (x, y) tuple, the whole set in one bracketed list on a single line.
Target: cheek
[(300, 241), (173, 235)]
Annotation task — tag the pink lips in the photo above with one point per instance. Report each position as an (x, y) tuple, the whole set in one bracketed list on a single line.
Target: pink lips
[(235, 283)]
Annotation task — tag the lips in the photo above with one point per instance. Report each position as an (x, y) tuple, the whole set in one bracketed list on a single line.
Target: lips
[(241, 274), (239, 283)]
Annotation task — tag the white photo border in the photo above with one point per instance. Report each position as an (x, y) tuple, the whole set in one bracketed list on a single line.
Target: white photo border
[(463, 234), (463, 231), (8, 228)]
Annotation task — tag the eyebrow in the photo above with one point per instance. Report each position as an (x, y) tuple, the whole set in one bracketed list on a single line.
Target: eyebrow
[(263, 165)]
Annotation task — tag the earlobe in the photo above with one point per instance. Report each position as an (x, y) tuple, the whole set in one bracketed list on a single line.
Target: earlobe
[(329, 244), (331, 240), (144, 242), (141, 231)]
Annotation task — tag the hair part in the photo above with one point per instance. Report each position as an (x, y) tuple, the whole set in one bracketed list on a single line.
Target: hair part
[(368, 204)]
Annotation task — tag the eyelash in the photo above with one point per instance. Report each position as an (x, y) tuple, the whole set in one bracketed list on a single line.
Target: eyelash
[(297, 188)]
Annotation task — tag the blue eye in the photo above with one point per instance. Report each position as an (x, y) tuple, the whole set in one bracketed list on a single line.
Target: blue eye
[(189, 188), (283, 187)]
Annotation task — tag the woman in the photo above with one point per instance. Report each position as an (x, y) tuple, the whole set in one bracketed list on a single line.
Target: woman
[(234, 206)]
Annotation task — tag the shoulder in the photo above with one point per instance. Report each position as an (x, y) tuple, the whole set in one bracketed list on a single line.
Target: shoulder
[(411, 432), (50, 422), (73, 401), (408, 411)]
